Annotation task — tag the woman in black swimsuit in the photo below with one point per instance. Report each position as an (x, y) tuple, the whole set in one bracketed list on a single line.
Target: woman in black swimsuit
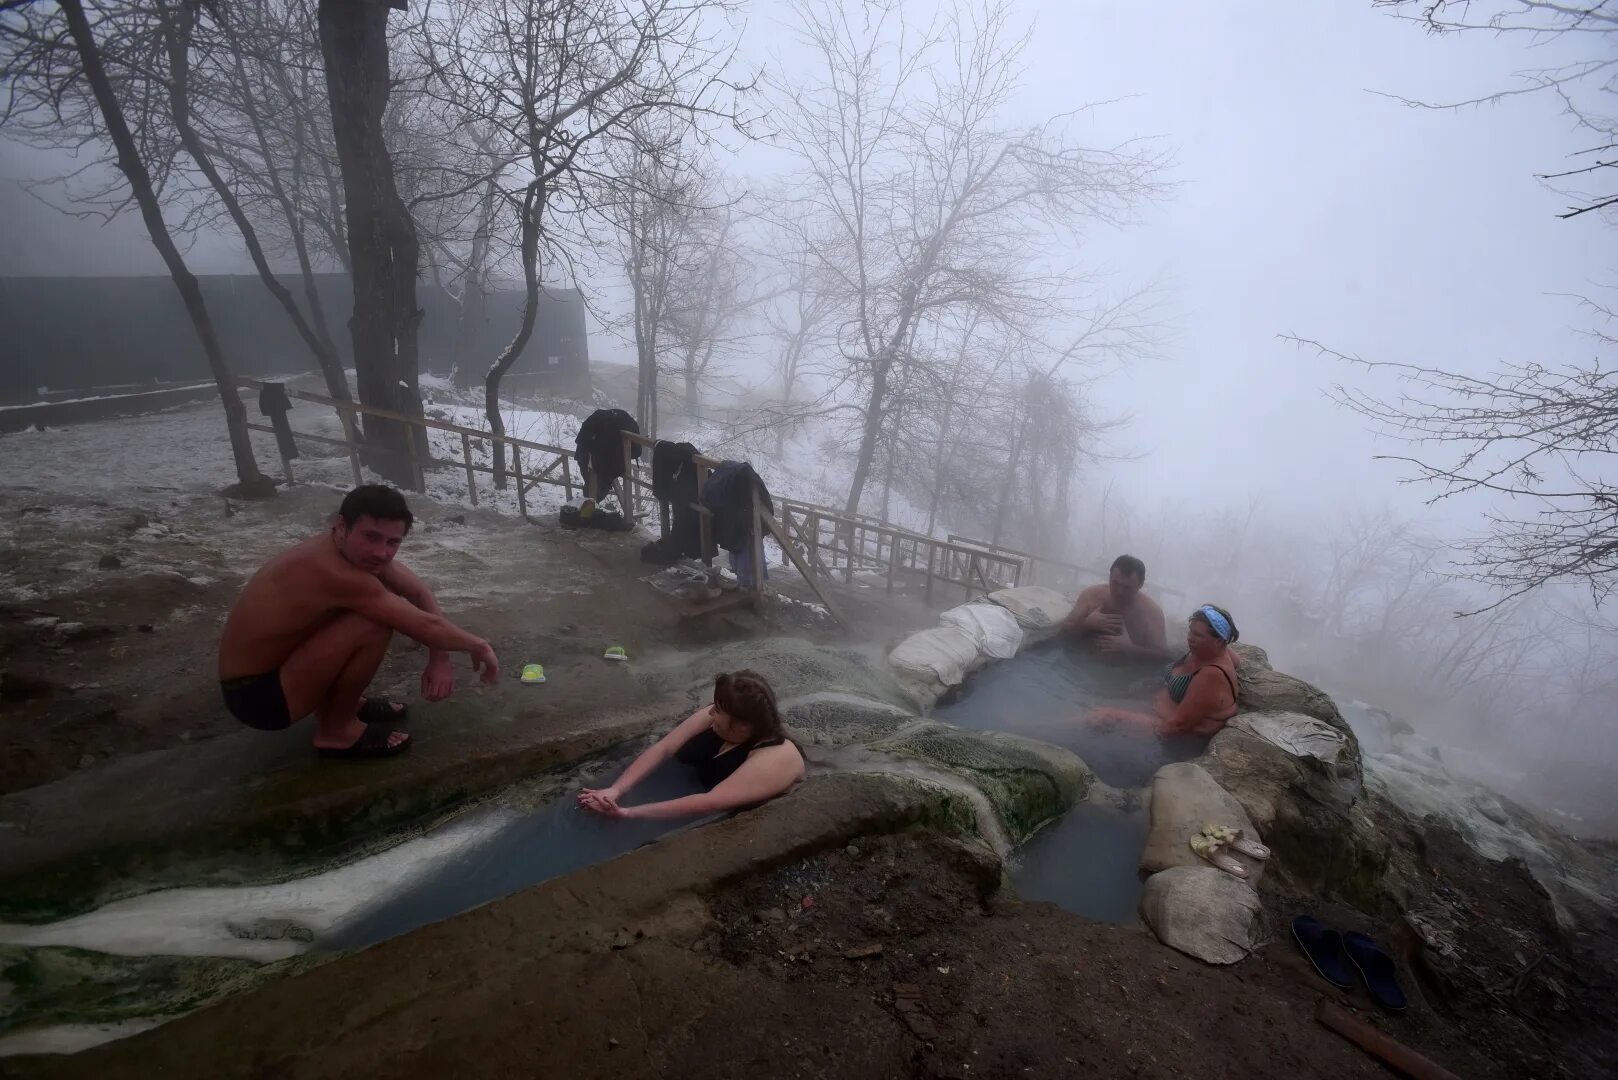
[(736, 746)]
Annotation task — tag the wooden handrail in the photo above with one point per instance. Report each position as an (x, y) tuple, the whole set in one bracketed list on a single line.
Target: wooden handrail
[(423, 421)]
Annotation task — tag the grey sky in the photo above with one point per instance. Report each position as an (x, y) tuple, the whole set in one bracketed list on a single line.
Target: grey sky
[(1306, 204)]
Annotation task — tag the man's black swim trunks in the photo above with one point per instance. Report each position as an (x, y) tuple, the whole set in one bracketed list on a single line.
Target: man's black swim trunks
[(258, 701)]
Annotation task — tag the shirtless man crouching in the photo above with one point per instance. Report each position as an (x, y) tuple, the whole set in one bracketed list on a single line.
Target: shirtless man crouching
[(310, 630), (1118, 619)]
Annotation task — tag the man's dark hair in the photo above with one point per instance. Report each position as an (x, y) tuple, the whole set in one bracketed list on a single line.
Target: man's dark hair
[(375, 500), (1131, 566)]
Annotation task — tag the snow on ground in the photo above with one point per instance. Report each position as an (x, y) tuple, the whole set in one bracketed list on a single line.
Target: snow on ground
[(128, 463)]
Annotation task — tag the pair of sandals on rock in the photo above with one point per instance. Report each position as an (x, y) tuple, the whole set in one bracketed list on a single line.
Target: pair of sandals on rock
[(1216, 842)]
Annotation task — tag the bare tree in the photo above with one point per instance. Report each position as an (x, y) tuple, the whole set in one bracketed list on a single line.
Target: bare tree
[(1535, 435), (384, 254), (712, 299), (1587, 88), (48, 66), (797, 314), (559, 83), (926, 201), (178, 22), (660, 185)]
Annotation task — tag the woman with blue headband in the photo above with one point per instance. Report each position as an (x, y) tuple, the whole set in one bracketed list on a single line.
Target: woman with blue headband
[(1199, 690)]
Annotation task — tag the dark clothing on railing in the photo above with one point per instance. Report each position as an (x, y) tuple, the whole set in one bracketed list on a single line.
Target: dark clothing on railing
[(668, 461), (728, 495), (674, 484), (599, 448), (274, 403)]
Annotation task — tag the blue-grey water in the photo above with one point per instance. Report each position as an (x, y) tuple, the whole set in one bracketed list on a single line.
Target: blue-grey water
[(1044, 693), (554, 839), (1088, 862)]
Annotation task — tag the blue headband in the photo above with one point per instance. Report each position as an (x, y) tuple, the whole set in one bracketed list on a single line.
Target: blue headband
[(1220, 624)]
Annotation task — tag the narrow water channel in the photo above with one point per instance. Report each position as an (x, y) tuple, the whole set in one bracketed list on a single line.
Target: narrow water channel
[(554, 839)]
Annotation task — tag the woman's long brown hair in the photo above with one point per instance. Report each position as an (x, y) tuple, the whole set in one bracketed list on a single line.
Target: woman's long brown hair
[(747, 697)]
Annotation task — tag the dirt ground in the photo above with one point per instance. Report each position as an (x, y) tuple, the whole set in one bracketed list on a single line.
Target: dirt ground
[(113, 742), (908, 960), (896, 956)]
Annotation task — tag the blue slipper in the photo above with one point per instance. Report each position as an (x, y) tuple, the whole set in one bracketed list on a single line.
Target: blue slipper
[(1324, 948), (1378, 970)]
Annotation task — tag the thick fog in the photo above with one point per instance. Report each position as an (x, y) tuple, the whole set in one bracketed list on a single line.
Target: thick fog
[(1303, 199)]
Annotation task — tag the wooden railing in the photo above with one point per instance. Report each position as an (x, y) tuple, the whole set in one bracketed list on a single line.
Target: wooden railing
[(555, 463), (821, 542)]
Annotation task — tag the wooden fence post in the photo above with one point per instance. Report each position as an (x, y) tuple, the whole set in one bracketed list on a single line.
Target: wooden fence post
[(757, 545), (516, 473), (352, 440), (466, 455), (932, 554)]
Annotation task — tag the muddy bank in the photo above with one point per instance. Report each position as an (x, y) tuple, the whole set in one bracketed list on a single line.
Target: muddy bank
[(896, 954)]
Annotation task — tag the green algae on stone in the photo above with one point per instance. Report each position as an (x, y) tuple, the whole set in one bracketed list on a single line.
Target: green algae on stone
[(1027, 782)]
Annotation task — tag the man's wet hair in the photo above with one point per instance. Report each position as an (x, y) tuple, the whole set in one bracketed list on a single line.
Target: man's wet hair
[(1131, 566), (377, 501)]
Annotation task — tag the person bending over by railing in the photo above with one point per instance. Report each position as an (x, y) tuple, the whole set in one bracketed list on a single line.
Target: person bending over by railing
[(736, 747), (1199, 690)]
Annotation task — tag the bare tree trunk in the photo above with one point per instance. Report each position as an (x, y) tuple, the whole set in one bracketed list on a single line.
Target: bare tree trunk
[(177, 28), (383, 249), (473, 309), (533, 205), (251, 483), (870, 432), (469, 332), (1009, 485)]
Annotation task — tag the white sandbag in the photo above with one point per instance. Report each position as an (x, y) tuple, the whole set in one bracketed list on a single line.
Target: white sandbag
[(1035, 607), (1202, 912), (939, 656), (1185, 797), (995, 629), (1297, 734)]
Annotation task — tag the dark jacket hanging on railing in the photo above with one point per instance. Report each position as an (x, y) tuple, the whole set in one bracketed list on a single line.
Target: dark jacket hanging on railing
[(599, 448), (274, 403), (728, 495)]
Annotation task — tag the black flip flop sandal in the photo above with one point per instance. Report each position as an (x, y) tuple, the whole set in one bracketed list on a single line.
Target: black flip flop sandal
[(1324, 948), (372, 744), (1378, 970), (380, 711)]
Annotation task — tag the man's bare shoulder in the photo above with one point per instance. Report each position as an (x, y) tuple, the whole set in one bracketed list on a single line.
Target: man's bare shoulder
[(315, 562), (1151, 605), (1092, 594)]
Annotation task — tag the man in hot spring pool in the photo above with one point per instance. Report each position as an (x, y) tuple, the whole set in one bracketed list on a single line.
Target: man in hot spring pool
[(1119, 621)]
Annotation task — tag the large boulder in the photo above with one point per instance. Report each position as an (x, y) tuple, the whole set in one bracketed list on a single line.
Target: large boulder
[(1202, 912), (1261, 689), (834, 718), (1305, 812), (1184, 799), (1027, 782), (996, 630), (929, 662), (1299, 735), (1037, 609)]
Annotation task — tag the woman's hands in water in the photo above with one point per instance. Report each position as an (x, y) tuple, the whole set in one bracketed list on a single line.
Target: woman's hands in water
[(603, 801)]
